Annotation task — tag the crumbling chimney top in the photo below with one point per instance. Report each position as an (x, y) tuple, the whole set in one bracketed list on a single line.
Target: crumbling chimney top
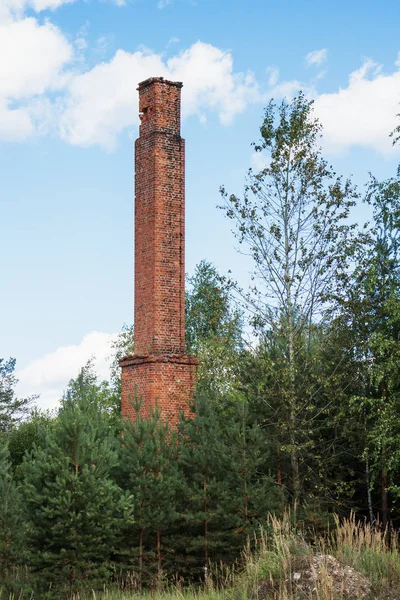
[(152, 80)]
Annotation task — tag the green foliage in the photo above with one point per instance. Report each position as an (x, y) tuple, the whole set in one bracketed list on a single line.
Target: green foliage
[(203, 459), (213, 329), (209, 312), (254, 493), (104, 394), (122, 346), (228, 493), (395, 134), (12, 522), (27, 435), (12, 409), (76, 511), (371, 314), (149, 470), (293, 222), (309, 417)]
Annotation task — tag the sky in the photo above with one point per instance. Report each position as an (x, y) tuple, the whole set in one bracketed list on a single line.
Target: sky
[(68, 118)]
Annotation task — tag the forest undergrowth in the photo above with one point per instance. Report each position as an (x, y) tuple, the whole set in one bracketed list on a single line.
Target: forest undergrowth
[(353, 561)]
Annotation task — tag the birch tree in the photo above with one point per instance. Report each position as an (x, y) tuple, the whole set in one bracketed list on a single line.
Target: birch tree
[(292, 220)]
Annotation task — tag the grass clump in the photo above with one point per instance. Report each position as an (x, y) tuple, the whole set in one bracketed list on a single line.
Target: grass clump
[(355, 561), (370, 550)]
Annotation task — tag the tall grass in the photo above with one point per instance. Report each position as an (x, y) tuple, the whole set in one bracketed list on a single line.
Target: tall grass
[(369, 549), (276, 558)]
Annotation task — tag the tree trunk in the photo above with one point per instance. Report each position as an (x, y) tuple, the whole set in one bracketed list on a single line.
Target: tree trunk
[(370, 509), (384, 494), (140, 558), (294, 459), (159, 557), (245, 492), (278, 468), (290, 316), (205, 521), (294, 463)]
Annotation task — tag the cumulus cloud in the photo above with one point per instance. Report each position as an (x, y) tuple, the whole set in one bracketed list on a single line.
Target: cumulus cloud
[(317, 57), (36, 56), (364, 112), (18, 7), (45, 84), (49, 375), (103, 101), (288, 89), (10, 9), (273, 75)]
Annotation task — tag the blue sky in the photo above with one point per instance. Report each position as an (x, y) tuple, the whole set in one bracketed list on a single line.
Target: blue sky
[(68, 118)]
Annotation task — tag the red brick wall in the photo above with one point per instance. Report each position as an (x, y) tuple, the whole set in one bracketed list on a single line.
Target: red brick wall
[(166, 381), (159, 371), (159, 222)]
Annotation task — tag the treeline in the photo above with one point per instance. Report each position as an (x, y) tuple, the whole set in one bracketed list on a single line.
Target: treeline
[(93, 501), (297, 405)]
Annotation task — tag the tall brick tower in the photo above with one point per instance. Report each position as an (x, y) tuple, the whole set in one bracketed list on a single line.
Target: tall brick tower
[(159, 371)]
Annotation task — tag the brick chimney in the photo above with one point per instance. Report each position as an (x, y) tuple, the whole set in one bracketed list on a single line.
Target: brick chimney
[(159, 371)]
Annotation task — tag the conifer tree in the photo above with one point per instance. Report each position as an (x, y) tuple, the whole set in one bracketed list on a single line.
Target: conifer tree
[(203, 460), (253, 492), (149, 471), (76, 511), (12, 408), (12, 522), (26, 435)]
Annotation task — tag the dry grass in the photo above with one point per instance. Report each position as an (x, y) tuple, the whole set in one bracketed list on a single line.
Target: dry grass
[(354, 561)]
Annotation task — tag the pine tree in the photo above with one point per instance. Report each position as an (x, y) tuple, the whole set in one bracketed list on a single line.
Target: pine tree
[(26, 435), (12, 409), (76, 511), (149, 471), (253, 492), (12, 522), (203, 461)]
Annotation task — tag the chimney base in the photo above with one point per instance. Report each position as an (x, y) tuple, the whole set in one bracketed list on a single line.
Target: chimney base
[(164, 380)]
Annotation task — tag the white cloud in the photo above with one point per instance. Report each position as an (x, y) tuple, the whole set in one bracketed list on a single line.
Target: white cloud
[(288, 89), (361, 114), (364, 112), (36, 56), (317, 57), (103, 101), (49, 375), (17, 8), (173, 40), (80, 43), (41, 88), (259, 160), (15, 124), (273, 75), (210, 82)]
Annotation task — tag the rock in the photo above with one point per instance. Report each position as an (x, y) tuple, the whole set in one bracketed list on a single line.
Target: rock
[(321, 572)]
